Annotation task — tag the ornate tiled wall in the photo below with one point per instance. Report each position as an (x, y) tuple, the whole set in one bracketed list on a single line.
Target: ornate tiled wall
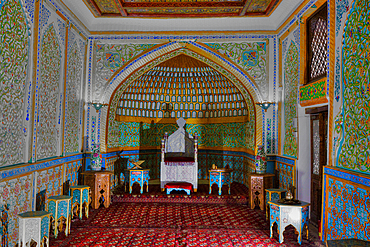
[(313, 93), (72, 172), (230, 135), (115, 128), (251, 56), (73, 119), (351, 86), (109, 58), (241, 163), (26, 188), (33, 81), (346, 205), (284, 170), (15, 52), (286, 174), (18, 193), (290, 58), (347, 185), (49, 92)]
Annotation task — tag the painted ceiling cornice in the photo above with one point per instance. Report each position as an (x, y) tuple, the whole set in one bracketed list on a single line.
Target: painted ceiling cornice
[(112, 16), (181, 8)]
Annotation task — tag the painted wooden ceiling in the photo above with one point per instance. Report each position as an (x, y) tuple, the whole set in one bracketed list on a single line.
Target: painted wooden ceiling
[(181, 8)]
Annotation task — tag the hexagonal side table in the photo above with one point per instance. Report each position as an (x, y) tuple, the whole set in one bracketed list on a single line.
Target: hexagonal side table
[(60, 208), (284, 215), (34, 225), (80, 199)]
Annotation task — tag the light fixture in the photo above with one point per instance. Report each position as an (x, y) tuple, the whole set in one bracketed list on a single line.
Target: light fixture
[(97, 105), (265, 105)]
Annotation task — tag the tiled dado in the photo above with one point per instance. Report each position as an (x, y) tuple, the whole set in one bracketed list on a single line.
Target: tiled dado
[(26, 187), (284, 170), (346, 208)]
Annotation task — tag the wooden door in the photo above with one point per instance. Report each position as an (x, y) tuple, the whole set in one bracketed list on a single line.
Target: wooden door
[(319, 123)]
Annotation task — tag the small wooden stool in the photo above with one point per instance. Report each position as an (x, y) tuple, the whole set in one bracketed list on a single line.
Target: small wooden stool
[(272, 195), (80, 199), (179, 186), (34, 225), (60, 207)]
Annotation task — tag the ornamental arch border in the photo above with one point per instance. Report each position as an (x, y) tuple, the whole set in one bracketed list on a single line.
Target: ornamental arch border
[(135, 68)]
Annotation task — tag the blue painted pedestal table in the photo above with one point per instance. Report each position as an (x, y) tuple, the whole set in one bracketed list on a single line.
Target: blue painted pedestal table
[(284, 215), (34, 225), (60, 209), (80, 199), (220, 177), (140, 176)]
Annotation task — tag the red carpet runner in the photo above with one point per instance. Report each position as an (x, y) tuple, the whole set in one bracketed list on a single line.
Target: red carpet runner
[(171, 224)]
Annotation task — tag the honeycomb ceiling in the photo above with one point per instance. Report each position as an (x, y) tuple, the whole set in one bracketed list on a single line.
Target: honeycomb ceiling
[(181, 8), (182, 87)]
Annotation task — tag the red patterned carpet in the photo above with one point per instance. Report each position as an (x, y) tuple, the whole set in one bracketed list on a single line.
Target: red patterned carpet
[(174, 224)]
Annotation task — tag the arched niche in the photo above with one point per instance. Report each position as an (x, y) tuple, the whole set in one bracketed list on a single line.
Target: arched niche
[(139, 65)]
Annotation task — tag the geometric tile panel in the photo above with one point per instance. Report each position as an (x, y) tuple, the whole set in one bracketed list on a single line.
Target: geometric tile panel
[(18, 194), (14, 49), (231, 135), (48, 98), (348, 210), (286, 175), (73, 171), (353, 120), (291, 77)]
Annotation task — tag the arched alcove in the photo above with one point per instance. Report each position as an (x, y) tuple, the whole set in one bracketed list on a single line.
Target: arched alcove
[(137, 68)]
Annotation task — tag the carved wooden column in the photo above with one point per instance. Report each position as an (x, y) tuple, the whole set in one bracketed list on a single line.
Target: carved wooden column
[(99, 182)]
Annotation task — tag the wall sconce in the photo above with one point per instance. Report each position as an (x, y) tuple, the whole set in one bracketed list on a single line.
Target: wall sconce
[(97, 105), (295, 124), (265, 105)]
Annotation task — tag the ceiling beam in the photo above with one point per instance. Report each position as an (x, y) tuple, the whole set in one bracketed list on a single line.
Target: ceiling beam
[(245, 7), (92, 2), (182, 5), (120, 7)]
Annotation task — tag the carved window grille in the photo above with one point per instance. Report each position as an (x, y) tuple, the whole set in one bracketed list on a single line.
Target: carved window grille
[(317, 44)]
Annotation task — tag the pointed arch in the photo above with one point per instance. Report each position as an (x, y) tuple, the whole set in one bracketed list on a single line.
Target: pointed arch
[(135, 68)]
